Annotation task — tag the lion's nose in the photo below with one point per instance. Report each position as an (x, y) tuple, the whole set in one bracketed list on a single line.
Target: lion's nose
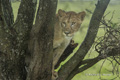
[(67, 32)]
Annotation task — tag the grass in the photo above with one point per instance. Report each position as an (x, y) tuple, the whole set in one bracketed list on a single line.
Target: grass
[(93, 72), (15, 6)]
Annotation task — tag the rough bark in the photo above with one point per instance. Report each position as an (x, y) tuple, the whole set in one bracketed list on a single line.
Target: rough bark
[(7, 57), (14, 40), (24, 22), (74, 62), (12, 66), (8, 14), (41, 42)]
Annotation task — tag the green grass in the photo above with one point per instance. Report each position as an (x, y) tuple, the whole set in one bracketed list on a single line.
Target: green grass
[(15, 6), (91, 73)]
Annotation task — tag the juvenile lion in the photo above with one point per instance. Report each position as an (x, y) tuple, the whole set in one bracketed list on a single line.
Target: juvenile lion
[(67, 23)]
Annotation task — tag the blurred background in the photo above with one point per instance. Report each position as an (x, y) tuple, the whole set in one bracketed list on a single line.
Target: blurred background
[(88, 6)]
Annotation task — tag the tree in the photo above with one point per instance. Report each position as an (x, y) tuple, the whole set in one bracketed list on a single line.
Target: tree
[(16, 36), (21, 43)]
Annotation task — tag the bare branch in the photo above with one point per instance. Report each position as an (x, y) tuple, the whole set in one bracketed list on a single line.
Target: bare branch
[(101, 67), (85, 65)]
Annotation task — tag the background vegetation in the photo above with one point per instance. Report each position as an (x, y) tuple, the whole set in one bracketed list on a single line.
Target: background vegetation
[(88, 6)]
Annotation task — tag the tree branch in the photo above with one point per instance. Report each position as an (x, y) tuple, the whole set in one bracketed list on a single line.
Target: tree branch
[(90, 62), (41, 42), (8, 12), (87, 64), (24, 21), (5, 44), (67, 52), (67, 69), (9, 54)]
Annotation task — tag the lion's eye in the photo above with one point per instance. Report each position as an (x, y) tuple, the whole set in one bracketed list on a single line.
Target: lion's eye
[(72, 24), (63, 24)]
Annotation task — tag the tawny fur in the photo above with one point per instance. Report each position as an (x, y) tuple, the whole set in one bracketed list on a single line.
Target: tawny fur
[(67, 23)]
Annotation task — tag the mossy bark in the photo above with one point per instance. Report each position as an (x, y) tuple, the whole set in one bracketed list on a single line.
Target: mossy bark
[(16, 36)]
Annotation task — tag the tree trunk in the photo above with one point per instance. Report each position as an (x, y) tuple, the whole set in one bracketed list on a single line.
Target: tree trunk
[(15, 37), (9, 67), (41, 42)]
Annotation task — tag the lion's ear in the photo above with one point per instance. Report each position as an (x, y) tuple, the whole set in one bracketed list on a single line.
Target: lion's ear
[(81, 15), (61, 13)]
